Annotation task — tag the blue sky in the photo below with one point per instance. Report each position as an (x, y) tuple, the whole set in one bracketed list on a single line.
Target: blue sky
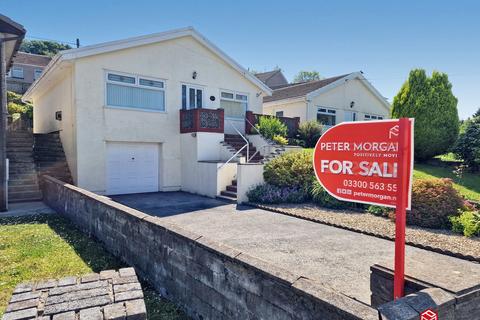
[(381, 38)]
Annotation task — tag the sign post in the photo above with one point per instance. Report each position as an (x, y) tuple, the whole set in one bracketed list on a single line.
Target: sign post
[(371, 162)]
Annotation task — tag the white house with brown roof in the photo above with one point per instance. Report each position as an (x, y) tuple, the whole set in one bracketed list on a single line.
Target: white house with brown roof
[(349, 97), (150, 113)]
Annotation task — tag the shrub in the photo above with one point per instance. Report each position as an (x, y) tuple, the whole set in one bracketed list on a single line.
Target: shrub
[(292, 169), (266, 193), (467, 146), (433, 201), (280, 140), (309, 133), (270, 127), (467, 223), (378, 211), (15, 105), (431, 102), (321, 197)]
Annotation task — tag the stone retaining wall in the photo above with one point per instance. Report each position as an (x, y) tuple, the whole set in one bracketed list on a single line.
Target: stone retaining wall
[(207, 279), (420, 295)]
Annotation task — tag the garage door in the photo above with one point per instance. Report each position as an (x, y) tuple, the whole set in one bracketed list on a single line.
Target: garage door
[(132, 167)]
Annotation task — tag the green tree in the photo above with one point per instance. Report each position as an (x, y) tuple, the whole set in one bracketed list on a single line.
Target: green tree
[(467, 146), (431, 102), (305, 76), (43, 47), (477, 113), (15, 105)]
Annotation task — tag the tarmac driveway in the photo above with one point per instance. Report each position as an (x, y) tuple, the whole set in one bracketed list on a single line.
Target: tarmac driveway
[(337, 258)]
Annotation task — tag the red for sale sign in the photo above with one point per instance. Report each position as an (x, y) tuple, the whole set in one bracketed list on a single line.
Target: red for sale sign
[(360, 162)]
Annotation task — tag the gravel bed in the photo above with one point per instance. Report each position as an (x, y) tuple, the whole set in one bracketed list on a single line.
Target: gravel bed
[(443, 241)]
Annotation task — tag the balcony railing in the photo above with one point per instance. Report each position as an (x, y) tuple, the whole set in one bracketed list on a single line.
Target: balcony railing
[(291, 123), (201, 120)]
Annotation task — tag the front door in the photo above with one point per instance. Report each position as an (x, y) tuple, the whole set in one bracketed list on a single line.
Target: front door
[(192, 97)]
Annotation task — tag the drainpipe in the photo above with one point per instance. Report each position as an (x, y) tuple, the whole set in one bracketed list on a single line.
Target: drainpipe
[(3, 130)]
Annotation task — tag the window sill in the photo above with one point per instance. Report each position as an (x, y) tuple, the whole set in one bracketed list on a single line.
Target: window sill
[(135, 109)]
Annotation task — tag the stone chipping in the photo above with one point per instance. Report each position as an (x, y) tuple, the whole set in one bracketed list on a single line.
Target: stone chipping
[(109, 294)]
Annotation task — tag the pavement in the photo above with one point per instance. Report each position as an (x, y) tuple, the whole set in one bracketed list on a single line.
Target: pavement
[(337, 258), (26, 208)]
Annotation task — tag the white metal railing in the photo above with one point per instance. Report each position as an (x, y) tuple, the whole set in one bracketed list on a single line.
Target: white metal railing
[(268, 144), (247, 144)]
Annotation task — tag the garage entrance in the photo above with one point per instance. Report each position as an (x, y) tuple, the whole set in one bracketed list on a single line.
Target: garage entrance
[(132, 167)]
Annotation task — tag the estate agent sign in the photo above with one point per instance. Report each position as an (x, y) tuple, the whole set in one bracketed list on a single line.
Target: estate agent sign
[(370, 162)]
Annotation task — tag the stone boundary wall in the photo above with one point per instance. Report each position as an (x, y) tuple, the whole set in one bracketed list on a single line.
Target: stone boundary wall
[(420, 296), (207, 279)]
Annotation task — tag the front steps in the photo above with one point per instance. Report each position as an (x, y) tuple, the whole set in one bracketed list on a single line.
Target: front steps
[(50, 157), (230, 194), (23, 180), (235, 142)]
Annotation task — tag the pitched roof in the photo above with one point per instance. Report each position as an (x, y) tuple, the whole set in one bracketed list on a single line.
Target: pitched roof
[(295, 90), (111, 46), (33, 59), (269, 80)]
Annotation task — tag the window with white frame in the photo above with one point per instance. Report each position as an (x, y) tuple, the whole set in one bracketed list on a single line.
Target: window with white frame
[(17, 72), (137, 92), (368, 117), (350, 116), (327, 116), (234, 104), (192, 97), (37, 73)]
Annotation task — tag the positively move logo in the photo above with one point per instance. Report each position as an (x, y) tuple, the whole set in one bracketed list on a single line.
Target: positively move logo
[(429, 314)]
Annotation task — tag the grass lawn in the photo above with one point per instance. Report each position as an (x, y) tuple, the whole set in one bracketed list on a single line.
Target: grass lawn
[(48, 246), (468, 185)]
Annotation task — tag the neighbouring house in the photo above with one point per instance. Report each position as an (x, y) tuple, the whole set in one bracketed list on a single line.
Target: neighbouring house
[(161, 112), (349, 97), (26, 68), (273, 79)]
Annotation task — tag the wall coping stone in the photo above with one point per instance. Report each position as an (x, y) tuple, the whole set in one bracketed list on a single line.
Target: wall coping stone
[(76, 299)]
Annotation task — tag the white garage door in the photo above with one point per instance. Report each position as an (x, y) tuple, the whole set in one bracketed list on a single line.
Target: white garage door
[(132, 167)]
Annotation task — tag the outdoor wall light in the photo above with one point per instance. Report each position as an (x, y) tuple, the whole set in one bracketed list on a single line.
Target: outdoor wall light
[(259, 94), (194, 75), (352, 104), (194, 134), (212, 98)]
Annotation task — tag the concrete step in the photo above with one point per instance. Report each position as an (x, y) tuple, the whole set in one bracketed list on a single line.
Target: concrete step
[(24, 196), (232, 188), (14, 149), (20, 133), (20, 182), (227, 198), (50, 159), (23, 188), (229, 194)]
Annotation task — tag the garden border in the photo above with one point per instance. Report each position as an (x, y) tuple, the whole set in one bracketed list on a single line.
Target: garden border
[(374, 234)]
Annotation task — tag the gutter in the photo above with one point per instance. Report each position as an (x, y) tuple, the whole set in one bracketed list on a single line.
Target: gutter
[(49, 69)]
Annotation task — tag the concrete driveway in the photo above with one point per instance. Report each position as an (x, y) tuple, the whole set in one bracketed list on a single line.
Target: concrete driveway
[(338, 258)]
